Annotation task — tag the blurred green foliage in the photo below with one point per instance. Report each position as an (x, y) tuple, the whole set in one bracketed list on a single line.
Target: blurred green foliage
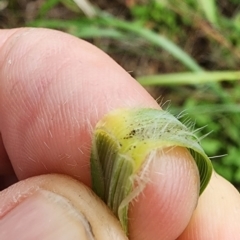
[(176, 36)]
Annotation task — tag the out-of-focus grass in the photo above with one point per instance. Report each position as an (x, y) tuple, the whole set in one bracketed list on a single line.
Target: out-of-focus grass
[(189, 78), (192, 49)]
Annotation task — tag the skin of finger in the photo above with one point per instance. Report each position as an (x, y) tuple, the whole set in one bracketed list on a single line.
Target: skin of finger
[(53, 90), (217, 215), (52, 95), (167, 206), (80, 197)]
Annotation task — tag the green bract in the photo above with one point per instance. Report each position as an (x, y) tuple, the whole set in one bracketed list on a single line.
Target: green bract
[(123, 142)]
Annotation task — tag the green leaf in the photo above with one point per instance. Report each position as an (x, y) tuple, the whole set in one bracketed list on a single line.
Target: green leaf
[(189, 78), (47, 6), (154, 38), (210, 10)]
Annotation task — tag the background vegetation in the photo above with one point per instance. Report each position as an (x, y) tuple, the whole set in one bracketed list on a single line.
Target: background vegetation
[(184, 51)]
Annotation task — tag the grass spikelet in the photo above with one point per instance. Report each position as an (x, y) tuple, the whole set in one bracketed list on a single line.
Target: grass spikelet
[(125, 143)]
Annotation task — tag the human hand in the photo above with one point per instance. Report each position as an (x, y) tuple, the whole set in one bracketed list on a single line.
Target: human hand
[(53, 90)]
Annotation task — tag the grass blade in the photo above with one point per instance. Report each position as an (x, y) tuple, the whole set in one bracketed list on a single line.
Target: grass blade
[(154, 38), (189, 78), (210, 9)]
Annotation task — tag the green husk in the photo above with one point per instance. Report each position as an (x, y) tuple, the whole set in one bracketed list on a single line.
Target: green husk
[(123, 141)]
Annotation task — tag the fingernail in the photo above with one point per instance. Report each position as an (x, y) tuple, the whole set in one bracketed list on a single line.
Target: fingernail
[(44, 215)]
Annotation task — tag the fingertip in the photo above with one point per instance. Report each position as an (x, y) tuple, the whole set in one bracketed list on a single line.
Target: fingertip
[(217, 215), (165, 207)]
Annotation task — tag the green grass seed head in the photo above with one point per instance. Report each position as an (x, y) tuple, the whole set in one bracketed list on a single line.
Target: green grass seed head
[(125, 143)]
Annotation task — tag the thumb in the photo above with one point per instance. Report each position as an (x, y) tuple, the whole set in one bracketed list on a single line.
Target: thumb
[(55, 207)]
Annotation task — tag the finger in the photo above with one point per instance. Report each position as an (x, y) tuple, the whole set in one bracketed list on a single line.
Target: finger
[(218, 213), (165, 207), (50, 98), (54, 88), (55, 207)]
